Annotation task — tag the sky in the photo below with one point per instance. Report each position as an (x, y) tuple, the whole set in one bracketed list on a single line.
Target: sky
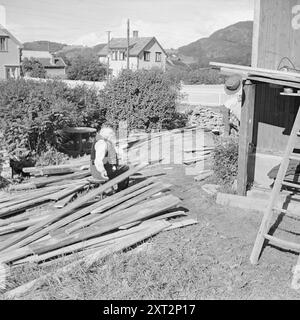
[(173, 22)]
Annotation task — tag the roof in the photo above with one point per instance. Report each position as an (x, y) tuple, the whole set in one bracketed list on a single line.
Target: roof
[(136, 45), (283, 78), (5, 32), (48, 63)]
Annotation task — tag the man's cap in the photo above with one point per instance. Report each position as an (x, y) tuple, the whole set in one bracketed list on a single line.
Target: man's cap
[(233, 84)]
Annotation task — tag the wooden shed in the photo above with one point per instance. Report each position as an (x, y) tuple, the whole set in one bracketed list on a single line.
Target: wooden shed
[(267, 115)]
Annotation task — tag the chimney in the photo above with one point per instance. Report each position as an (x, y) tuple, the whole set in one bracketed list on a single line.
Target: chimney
[(3, 16), (135, 34)]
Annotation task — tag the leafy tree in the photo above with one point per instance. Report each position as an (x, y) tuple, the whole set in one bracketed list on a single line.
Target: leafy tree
[(145, 99), (33, 68), (86, 68)]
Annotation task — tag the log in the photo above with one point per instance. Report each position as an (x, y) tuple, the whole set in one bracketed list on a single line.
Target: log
[(57, 221)]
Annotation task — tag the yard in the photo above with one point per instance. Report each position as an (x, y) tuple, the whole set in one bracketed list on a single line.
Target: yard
[(209, 260)]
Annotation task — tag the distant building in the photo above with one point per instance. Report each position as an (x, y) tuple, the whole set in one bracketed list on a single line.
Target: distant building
[(144, 53), (10, 48), (54, 66)]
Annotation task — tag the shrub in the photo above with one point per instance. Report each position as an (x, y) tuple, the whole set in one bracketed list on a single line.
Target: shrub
[(225, 160), (145, 99), (33, 68), (51, 157), (33, 113), (86, 68)]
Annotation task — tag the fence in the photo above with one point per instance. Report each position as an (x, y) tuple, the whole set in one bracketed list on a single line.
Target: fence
[(207, 95), (73, 83)]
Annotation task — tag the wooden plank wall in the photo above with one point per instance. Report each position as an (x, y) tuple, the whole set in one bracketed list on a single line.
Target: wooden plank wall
[(276, 33), (273, 118)]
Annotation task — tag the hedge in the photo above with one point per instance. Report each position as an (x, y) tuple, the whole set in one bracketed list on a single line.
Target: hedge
[(33, 113)]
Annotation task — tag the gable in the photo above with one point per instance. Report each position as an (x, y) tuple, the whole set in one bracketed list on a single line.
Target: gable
[(5, 33), (136, 45)]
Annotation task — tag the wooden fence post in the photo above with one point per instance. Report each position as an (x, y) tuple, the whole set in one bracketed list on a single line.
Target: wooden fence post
[(245, 137)]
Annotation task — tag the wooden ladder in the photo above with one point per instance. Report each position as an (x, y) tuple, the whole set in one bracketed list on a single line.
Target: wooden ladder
[(279, 182)]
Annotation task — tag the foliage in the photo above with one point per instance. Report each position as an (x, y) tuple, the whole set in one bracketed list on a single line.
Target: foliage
[(225, 160), (34, 113), (86, 68), (50, 157), (195, 75), (145, 99), (33, 68)]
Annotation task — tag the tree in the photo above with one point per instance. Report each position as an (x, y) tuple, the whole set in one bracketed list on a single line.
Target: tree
[(145, 99), (86, 68), (33, 68)]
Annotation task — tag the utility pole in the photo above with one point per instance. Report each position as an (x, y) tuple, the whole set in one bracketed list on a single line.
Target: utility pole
[(128, 38), (108, 54)]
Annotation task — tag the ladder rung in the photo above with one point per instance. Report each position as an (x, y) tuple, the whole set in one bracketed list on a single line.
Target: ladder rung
[(295, 156), (283, 243), (292, 185), (288, 213)]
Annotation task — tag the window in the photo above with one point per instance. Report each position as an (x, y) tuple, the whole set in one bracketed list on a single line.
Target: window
[(114, 55), (12, 72), (122, 55), (146, 56), (157, 56), (3, 44)]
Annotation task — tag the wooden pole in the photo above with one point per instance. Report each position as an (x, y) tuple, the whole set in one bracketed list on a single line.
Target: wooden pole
[(108, 54), (245, 138), (128, 38)]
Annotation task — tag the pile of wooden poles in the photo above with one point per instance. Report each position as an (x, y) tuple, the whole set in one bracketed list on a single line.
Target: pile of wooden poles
[(97, 223)]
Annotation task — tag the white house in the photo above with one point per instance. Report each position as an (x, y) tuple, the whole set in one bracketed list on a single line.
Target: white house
[(9, 55), (144, 53)]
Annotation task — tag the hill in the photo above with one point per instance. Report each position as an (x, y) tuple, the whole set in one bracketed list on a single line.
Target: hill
[(232, 44), (43, 45), (64, 50)]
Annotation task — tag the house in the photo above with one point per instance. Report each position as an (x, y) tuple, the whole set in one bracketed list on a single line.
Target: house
[(54, 66), (10, 48), (144, 53)]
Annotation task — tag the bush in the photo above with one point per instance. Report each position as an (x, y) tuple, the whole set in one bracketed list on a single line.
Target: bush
[(145, 99), (225, 160), (86, 68), (33, 114), (51, 157), (33, 68)]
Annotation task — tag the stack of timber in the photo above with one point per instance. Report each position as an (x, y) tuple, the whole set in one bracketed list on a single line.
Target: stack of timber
[(97, 223)]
